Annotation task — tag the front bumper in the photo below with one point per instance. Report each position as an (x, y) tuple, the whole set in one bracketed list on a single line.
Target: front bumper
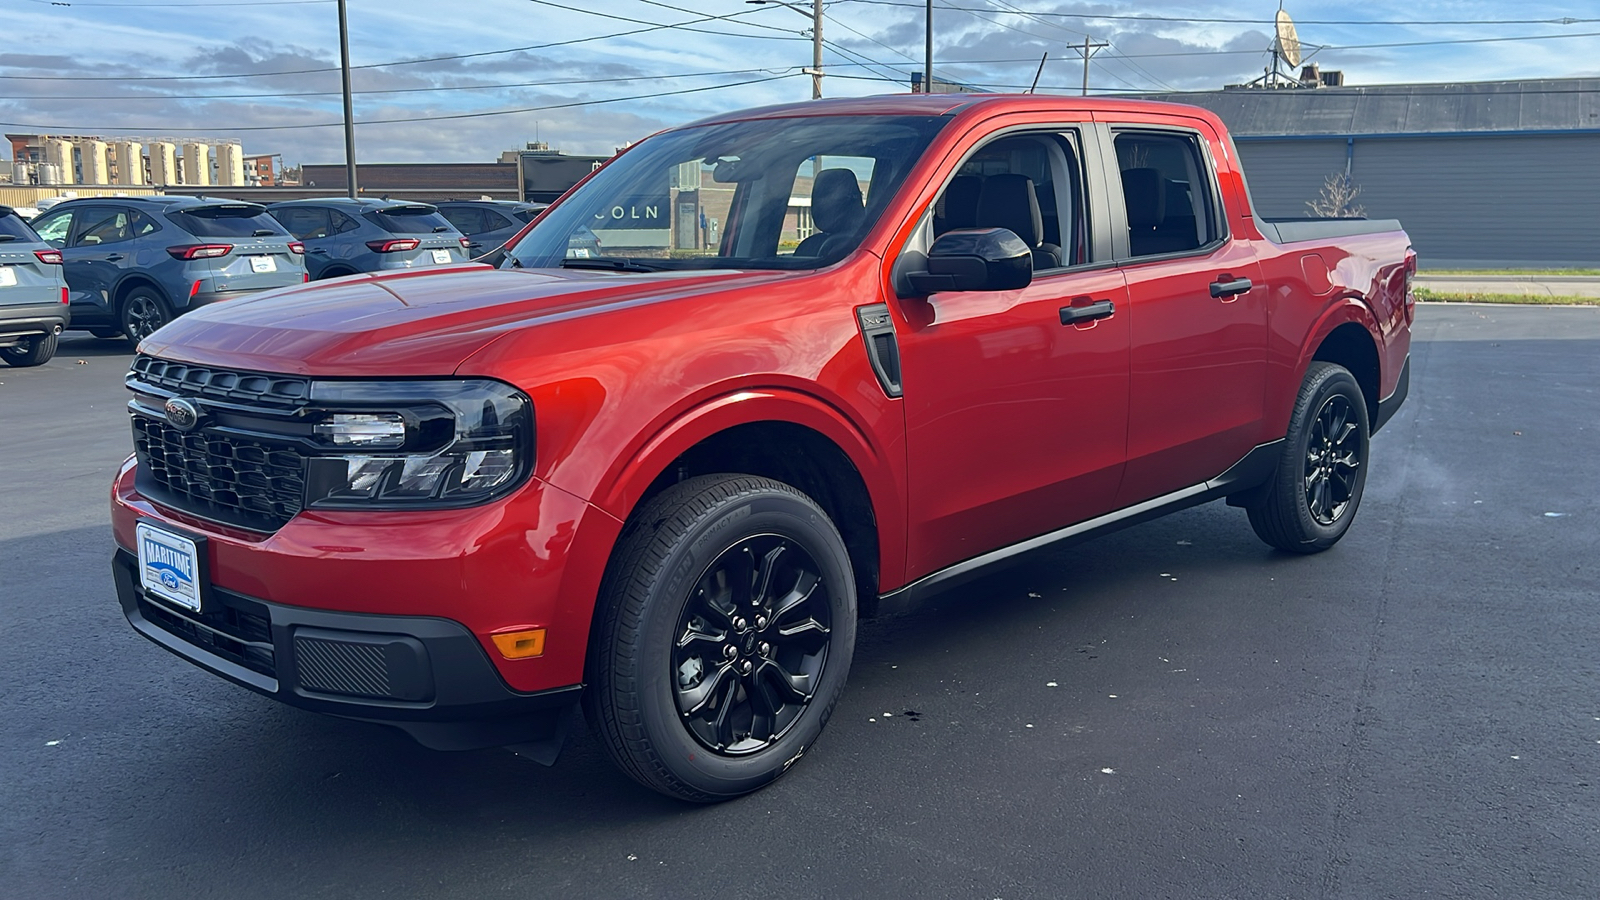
[(429, 677)]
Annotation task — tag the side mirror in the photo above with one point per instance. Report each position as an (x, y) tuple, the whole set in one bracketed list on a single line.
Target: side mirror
[(975, 259)]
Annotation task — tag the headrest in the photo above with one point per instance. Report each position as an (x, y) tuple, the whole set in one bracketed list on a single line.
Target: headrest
[(1146, 197), (1008, 201), (959, 205), (836, 205)]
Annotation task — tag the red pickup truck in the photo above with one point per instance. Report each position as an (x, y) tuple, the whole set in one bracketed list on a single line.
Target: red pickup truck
[(756, 377)]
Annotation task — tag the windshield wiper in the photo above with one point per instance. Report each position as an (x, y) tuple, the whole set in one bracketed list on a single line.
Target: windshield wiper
[(263, 232), (7, 237), (611, 263)]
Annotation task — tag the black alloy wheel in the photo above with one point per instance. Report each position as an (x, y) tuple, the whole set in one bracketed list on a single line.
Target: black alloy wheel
[(723, 637), (1313, 495), (1333, 460), (752, 644), (142, 313)]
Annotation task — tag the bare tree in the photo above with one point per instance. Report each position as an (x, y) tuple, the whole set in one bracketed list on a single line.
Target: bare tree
[(1337, 199)]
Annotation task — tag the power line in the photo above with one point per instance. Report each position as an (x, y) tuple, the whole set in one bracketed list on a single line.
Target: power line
[(420, 90), (87, 129), (403, 62), (248, 3), (1565, 20)]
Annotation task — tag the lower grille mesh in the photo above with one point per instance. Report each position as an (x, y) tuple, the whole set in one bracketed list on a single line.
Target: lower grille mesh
[(342, 667)]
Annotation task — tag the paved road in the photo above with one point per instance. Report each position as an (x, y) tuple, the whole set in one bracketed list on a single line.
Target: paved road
[(1172, 711)]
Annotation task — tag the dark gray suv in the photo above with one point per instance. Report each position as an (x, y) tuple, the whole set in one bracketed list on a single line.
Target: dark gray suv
[(133, 263), (344, 236), (488, 224)]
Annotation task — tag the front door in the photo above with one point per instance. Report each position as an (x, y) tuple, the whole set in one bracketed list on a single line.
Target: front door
[(1015, 422)]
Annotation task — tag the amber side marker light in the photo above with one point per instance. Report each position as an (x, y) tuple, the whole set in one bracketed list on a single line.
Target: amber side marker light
[(520, 644)]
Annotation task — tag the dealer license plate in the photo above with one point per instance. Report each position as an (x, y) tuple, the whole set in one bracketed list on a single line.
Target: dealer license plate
[(263, 264), (441, 256), (169, 566), (8, 278)]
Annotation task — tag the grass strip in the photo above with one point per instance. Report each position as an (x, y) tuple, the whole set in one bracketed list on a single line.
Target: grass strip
[(1424, 295), (1534, 273)]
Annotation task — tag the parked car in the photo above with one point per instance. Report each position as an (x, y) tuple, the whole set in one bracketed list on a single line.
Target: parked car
[(33, 295), (344, 236), (489, 224), (938, 333), (134, 263)]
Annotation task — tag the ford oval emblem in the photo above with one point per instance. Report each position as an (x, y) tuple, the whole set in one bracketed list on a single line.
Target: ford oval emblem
[(181, 414)]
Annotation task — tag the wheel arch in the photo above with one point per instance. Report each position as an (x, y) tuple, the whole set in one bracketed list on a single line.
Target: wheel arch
[(789, 437), (136, 280), (1350, 344)]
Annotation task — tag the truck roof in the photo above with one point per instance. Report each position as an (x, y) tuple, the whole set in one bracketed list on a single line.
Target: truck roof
[(949, 104)]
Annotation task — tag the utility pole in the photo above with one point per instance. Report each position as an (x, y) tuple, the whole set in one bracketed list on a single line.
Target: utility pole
[(815, 15), (816, 50), (927, 63), (349, 113), (1089, 47)]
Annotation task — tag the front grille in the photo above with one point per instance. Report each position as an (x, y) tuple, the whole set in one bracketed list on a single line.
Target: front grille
[(236, 479), (243, 388), (233, 634)]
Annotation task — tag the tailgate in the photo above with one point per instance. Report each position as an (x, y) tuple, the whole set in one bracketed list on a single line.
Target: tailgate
[(258, 263), (25, 281)]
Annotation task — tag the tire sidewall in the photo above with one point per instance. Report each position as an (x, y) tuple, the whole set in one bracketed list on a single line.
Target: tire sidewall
[(1334, 381), (127, 301), (771, 512)]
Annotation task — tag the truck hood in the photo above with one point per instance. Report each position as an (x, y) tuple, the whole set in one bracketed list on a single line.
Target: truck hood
[(407, 323)]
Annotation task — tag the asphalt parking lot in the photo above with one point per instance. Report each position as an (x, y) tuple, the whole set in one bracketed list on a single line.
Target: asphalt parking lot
[(1171, 711)]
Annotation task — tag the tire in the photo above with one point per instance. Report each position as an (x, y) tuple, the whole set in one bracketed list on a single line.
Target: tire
[(1313, 496), (334, 272), (31, 351), (106, 333), (704, 689), (141, 312)]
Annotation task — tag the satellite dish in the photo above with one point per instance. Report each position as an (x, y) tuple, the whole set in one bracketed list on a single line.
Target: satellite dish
[(1288, 40)]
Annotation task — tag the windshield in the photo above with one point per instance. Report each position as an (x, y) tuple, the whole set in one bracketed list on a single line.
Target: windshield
[(767, 194)]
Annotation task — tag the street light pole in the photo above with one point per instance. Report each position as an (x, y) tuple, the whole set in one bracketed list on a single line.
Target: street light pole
[(349, 114), (816, 39), (927, 63)]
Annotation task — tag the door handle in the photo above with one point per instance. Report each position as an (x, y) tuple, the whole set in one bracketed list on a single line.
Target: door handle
[(115, 257), (1100, 309), (317, 250), (1230, 288)]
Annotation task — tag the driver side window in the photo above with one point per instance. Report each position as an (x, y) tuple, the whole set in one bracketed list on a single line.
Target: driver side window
[(1029, 184)]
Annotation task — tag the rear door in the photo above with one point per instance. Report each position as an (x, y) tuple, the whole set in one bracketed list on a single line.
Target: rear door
[(1199, 310), (55, 228), (261, 256), (25, 279), (311, 226)]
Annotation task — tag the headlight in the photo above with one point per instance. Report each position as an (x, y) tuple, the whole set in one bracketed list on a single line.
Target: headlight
[(410, 444)]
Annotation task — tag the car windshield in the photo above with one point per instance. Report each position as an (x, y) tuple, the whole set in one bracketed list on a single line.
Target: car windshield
[(410, 220), (12, 228), (228, 221), (792, 193)]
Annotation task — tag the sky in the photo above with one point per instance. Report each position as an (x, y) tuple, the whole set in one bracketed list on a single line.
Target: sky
[(588, 78)]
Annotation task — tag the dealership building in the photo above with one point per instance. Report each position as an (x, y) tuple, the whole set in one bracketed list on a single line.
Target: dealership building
[(1482, 174)]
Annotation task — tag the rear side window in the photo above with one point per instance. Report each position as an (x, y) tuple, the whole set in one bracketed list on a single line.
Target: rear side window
[(227, 221), (410, 220), (1166, 187), (12, 228), (466, 219), (304, 222)]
